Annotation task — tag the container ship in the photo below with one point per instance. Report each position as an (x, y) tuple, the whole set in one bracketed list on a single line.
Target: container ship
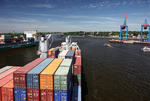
[(54, 78), (11, 41)]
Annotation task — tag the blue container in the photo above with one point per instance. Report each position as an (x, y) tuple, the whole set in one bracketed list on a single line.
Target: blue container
[(57, 95), (56, 49), (33, 75), (60, 95), (70, 55), (76, 94), (20, 94)]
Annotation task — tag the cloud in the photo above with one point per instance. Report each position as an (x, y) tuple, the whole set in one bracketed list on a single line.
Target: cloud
[(76, 16), (17, 20), (42, 6)]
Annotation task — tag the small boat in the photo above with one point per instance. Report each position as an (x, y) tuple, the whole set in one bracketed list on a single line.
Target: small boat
[(146, 49), (107, 45)]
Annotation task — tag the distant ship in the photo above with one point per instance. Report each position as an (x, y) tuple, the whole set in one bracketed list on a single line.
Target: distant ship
[(11, 41)]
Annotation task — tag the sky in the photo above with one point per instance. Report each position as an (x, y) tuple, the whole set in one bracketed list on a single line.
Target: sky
[(72, 15)]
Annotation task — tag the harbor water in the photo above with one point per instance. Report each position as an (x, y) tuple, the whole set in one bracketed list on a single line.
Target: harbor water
[(120, 73)]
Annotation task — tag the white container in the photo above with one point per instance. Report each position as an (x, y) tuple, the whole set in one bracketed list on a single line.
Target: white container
[(63, 54)]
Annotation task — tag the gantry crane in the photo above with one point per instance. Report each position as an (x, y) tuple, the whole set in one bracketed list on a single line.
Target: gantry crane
[(145, 27), (124, 28)]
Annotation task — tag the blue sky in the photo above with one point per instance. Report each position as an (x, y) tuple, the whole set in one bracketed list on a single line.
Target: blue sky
[(72, 15)]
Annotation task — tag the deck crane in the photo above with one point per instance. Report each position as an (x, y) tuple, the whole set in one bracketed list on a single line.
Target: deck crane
[(46, 42), (145, 27), (123, 28), (44, 45)]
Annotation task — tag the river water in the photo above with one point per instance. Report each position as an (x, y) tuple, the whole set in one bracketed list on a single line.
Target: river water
[(121, 73)]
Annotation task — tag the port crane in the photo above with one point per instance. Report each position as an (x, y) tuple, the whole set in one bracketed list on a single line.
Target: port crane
[(124, 28), (145, 27)]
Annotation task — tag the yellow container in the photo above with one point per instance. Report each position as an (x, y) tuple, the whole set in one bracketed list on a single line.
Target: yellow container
[(50, 51), (46, 76), (73, 48)]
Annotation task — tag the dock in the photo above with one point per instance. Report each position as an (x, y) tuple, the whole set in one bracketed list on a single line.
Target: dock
[(130, 42)]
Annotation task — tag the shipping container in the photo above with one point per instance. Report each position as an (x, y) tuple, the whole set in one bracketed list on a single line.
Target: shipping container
[(63, 54), (66, 63), (62, 95), (70, 54), (77, 65), (50, 52), (46, 76), (20, 74), (33, 94), (55, 53), (63, 78), (46, 95), (33, 75), (77, 79), (3, 81), (5, 68), (73, 48), (76, 95), (2, 75), (7, 91), (20, 94), (78, 52)]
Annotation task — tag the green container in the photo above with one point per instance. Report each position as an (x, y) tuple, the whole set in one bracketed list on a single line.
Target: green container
[(61, 50), (77, 77), (57, 87), (66, 63), (62, 77)]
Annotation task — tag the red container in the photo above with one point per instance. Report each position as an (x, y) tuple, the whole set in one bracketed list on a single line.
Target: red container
[(78, 52), (77, 65), (20, 74), (4, 74), (46, 95), (3, 81), (7, 91), (33, 94)]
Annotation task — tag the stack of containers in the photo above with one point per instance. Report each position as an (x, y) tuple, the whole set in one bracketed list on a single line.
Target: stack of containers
[(46, 80), (5, 68), (77, 71), (5, 80), (20, 80), (50, 52), (7, 72), (55, 53), (70, 55), (78, 52), (63, 81), (63, 54), (76, 95), (33, 80), (7, 91)]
